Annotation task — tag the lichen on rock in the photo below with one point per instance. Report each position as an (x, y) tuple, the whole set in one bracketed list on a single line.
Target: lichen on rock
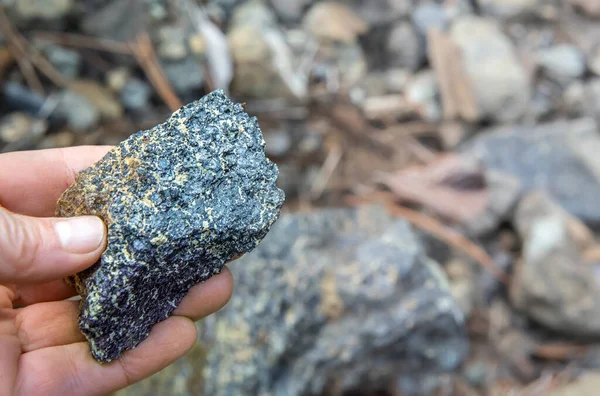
[(179, 201)]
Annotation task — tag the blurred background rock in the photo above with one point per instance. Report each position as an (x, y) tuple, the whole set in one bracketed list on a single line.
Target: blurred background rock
[(441, 164)]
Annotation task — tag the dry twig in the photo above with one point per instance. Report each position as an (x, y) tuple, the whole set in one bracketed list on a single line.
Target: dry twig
[(437, 229), (19, 52), (144, 54), (82, 41)]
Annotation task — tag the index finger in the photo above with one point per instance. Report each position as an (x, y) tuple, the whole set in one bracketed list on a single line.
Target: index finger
[(32, 181)]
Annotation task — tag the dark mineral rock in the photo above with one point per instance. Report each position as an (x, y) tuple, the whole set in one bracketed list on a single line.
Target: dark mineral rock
[(342, 299), (179, 201)]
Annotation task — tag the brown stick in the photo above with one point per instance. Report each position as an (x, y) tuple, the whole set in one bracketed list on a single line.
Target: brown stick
[(449, 236), (82, 41), (144, 54), (18, 51)]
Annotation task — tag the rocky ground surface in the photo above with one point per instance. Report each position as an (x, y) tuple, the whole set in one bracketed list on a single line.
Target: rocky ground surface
[(458, 140)]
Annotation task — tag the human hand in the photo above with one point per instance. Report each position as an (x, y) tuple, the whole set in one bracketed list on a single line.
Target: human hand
[(42, 350)]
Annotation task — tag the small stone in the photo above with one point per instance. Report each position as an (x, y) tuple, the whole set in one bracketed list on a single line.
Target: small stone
[(559, 157), (135, 94), (99, 96), (46, 10), (66, 61), (510, 8), (186, 75), (265, 66), (180, 201), (381, 12), (499, 81), (423, 94), (290, 10), (117, 78), (563, 63), (427, 16), (278, 143), (172, 43), (17, 127), (197, 44), (476, 373), (396, 79), (574, 98), (404, 47), (80, 113), (330, 21), (552, 284)]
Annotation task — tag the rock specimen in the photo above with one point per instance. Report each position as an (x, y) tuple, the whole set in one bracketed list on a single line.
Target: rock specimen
[(342, 298), (179, 200)]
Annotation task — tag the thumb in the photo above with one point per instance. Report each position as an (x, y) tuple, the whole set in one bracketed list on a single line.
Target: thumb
[(36, 250)]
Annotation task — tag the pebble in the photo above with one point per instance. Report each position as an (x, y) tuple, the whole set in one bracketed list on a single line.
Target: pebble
[(185, 75), (427, 16), (17, 127), (404, 47), (396, 79), (290, 10), (278, 143), (80, 113), (117, 78), (100, 97), (172, 43), (135, 94), (265, 64), (511, 8), (476, 373), (423, 94), (500, 83), (66, 61), (47, 10), (551, 282), (563, 63), (334, 22)]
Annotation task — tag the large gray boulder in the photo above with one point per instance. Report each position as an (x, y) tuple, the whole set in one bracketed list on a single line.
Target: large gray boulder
[(343, 298)]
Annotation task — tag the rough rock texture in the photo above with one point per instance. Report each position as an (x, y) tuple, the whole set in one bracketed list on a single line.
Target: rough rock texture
[(343, 298), (560, 158), (179, 200)]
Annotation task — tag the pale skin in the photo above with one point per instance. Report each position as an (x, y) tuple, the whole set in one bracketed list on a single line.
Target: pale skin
[(42, 351)]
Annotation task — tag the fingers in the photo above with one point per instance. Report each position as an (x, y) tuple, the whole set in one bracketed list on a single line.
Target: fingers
[(56, 323), (36, 250), (52, 291), (10, 348), (71, 370), (48, 324), (32, 182), (208, 297)]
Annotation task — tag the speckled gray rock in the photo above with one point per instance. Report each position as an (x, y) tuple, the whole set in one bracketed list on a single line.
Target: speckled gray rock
[(344, 297), (179, 200)]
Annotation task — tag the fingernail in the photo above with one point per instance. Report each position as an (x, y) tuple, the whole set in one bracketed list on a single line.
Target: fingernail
[(80, 234)]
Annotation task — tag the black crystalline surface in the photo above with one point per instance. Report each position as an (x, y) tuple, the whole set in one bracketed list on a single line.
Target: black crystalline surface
[(179, 201)]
